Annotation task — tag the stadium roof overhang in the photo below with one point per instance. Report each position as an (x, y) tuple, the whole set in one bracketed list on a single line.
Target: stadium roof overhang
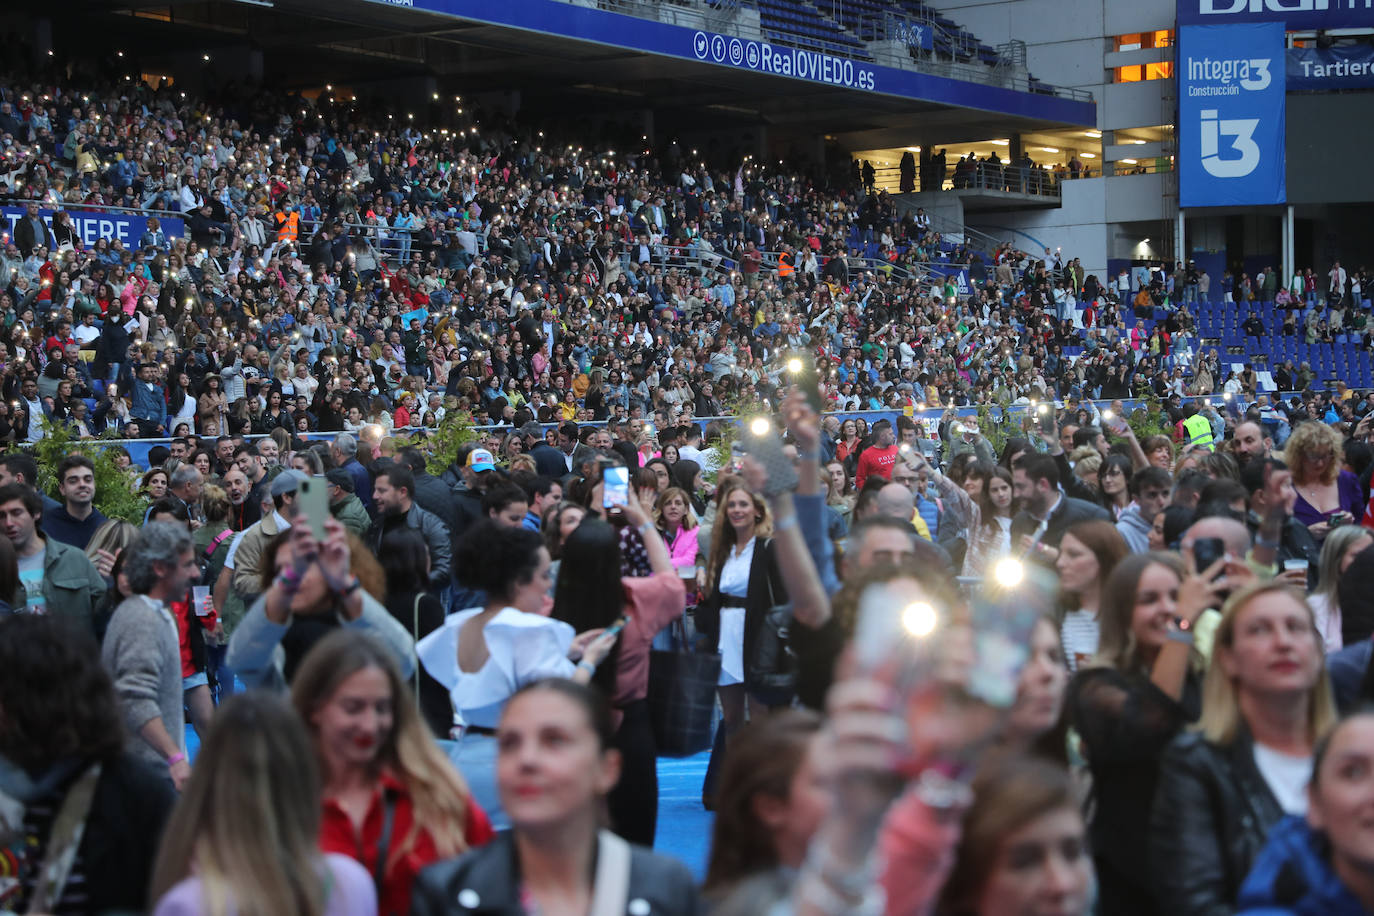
[(550, 50)]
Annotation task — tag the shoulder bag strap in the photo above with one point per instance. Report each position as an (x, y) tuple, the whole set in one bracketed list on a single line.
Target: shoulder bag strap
[(612, 888), (767, 545), (63, 841), (384, 842), (219, 539)]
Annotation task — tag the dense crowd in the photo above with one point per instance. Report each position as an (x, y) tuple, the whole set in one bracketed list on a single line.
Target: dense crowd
[(342, 270), (1096, 668), (1086, 673)]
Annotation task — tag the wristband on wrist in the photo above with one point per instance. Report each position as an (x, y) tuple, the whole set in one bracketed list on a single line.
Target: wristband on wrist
[(644, 529), (353, 585), (288, 582), (586, 666), (175, 759)]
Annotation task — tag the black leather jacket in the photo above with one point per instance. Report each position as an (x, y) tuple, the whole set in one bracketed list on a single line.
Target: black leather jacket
[(486, 882), (1212, 815)]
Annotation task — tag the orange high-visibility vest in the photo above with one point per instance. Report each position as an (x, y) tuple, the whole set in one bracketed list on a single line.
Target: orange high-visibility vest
[(288, 226), (785, 268)]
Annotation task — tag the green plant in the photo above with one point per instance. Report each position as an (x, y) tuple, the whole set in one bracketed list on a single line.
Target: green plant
[(741, 409), (115, 496), (1150, 420), (441, 446)]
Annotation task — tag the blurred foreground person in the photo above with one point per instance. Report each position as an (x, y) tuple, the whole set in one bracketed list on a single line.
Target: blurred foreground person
[(556, 768), (63, 764), (245, 836)]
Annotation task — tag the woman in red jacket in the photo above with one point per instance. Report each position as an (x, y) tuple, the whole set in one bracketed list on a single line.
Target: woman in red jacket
[(391, 799)]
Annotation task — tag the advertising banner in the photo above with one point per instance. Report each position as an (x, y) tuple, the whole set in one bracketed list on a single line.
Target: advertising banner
[(582, 21), (128, 228), (1330, 69), (1231, 103), (1295, 14)]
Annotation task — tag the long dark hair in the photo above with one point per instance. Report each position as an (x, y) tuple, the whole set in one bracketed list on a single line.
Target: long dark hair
[(59, 700), (589, 594), (684, 475), (405, 560)]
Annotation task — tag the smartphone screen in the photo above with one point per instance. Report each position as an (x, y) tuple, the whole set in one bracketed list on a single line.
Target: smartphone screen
[(1207, 551), (615, 487), (802, 368), (312, 498)]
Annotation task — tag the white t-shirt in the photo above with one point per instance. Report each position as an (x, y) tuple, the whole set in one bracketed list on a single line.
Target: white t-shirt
[(1287, 777), (1079, 633)]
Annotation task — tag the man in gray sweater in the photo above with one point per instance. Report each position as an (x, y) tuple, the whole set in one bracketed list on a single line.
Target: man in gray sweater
[(142, 648)]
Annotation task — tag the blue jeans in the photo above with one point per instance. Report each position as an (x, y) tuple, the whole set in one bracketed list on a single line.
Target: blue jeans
[(475, 758)]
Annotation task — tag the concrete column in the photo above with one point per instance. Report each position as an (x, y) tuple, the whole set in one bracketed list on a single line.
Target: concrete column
[(1180, 247), (1289, 256)]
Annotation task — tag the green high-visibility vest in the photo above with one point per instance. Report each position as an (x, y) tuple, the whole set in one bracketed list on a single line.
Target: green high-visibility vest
[(1199, 430)]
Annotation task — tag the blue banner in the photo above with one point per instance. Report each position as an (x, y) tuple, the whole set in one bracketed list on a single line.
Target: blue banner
[(1231, 102), (128, 228), (1294, 14), (585, 23), (1330, 69)]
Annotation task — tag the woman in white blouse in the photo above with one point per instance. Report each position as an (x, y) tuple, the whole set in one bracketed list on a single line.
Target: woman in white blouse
[(742, 583), (484, 654)]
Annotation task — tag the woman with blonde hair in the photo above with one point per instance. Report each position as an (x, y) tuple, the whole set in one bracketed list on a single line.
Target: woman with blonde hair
[(1266, 701), (1130, 701), (1328, 496), (742, 583), (244, 838), (391, 799), (1339, 551), (109, 540)]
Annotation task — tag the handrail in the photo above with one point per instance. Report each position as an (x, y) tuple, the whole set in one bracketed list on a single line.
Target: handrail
[(694, 14)]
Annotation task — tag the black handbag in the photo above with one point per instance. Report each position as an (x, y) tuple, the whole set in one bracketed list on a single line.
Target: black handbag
[(772, 666), (682, 696)]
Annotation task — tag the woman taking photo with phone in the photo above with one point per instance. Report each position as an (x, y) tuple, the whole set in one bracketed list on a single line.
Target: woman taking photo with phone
[(391, 799), (1221, 789), (555, 770), (245, 837), (483, 655), (592, 595), (1328, 496), (1128, 703), (310, 589)]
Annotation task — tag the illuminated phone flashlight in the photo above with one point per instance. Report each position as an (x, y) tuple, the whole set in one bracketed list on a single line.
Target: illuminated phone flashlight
[(1108, 415), (759, 426), (1042, 409), (1008, 572), (794, 365), (920, 619)]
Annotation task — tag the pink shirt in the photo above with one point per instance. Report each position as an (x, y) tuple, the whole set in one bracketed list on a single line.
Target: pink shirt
[(651, 603)]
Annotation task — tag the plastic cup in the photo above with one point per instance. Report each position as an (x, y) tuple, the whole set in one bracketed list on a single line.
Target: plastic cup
[(200, 597)]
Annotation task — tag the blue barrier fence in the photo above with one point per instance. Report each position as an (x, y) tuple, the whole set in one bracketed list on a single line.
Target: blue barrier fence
[(929, 419)]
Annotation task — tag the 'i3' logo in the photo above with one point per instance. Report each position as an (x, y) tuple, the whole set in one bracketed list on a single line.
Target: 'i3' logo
[(1241, 133)]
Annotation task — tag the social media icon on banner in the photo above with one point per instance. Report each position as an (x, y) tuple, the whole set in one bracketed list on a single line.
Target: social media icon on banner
[(1241, 132), (699, 45)]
